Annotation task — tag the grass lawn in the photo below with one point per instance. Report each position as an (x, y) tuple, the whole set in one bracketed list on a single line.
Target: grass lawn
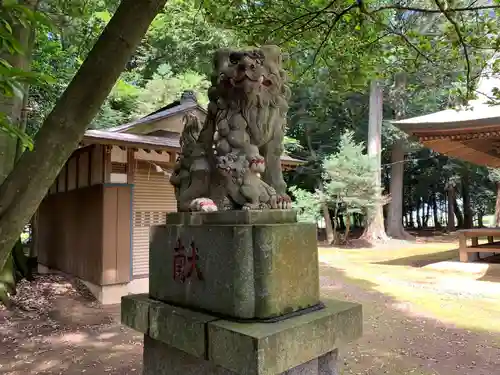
[(417, 320)]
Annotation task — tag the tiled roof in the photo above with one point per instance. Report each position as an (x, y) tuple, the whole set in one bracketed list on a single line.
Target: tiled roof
[(160, 114), (131, 140)]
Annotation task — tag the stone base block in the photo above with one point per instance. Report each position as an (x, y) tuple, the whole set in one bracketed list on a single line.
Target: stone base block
[(235, 264), (300, 344), (162, 359)]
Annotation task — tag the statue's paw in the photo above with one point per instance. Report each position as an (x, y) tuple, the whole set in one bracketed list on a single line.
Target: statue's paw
[(203, 205), (257, 164), (251, 206), (284, 202), (273, 201)]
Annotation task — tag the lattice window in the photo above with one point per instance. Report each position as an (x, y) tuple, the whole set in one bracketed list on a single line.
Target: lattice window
[(118, 167), (149, 218)]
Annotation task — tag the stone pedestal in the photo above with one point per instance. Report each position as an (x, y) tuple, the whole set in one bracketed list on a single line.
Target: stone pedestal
[(238, 293), (243, 264)]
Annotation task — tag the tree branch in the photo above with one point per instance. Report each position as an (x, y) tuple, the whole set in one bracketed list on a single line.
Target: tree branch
[(462, 42), (330, 30), (315, 15), (301, 30), (400, 34), (413, 46), (423, 10)]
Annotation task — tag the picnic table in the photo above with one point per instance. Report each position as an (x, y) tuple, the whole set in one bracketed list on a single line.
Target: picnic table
[(469, 253)]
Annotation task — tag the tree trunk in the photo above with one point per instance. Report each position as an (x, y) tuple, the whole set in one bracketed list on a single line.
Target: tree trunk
[(385, 214), (29, 181), (395, 227), (497, 206), (458, 213), (468, 215), (435, 216), (395, 216), (419, 218), (425, 220), (347, 227), (443, 211), (335, 236), (480, 223), (411, 219), (374, 230), (13, 106), (342, 223), (409, 209), (451, 210), (330, 233), (358, 221)]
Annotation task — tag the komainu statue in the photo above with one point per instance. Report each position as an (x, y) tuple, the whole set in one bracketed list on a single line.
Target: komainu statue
[(233, 160)]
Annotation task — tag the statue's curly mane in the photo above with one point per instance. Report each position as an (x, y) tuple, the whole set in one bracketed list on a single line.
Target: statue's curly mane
[(268, 64), (190, 132), (251, 82), (235, 156)]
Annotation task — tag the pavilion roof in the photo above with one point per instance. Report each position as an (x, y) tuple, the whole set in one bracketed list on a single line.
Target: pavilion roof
[(470, 133)]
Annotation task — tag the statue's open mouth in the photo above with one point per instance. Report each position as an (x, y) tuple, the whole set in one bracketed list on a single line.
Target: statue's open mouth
[(225, 169), (245, 77), (241, 79)]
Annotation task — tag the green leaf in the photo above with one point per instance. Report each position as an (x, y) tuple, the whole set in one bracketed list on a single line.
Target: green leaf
[(7, 26), (104, 16), (15, 132)]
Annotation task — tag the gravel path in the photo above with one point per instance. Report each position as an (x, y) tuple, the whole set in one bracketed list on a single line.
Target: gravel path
[(57, 328)]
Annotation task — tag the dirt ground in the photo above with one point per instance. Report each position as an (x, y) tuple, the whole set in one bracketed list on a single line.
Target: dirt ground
[(417, 320)]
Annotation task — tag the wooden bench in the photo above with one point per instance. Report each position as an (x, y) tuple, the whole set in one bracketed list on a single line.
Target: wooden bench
[(468, 253)]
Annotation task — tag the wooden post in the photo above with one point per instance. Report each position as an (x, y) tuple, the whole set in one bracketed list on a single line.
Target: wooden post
[(490, 239), (462, 240), (130, 165), (106, 170), (475, 241)]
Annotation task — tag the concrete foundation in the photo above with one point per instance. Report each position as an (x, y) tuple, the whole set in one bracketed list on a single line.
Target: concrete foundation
[(162, 359), (305, 344), (108, 294)]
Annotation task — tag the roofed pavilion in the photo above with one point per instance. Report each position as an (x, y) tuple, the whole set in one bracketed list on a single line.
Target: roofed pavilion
[(471, 133)]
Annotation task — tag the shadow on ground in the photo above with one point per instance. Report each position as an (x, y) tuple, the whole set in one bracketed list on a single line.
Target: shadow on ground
[(401, 338), (486, 269), (422, 260), (56, 327)]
